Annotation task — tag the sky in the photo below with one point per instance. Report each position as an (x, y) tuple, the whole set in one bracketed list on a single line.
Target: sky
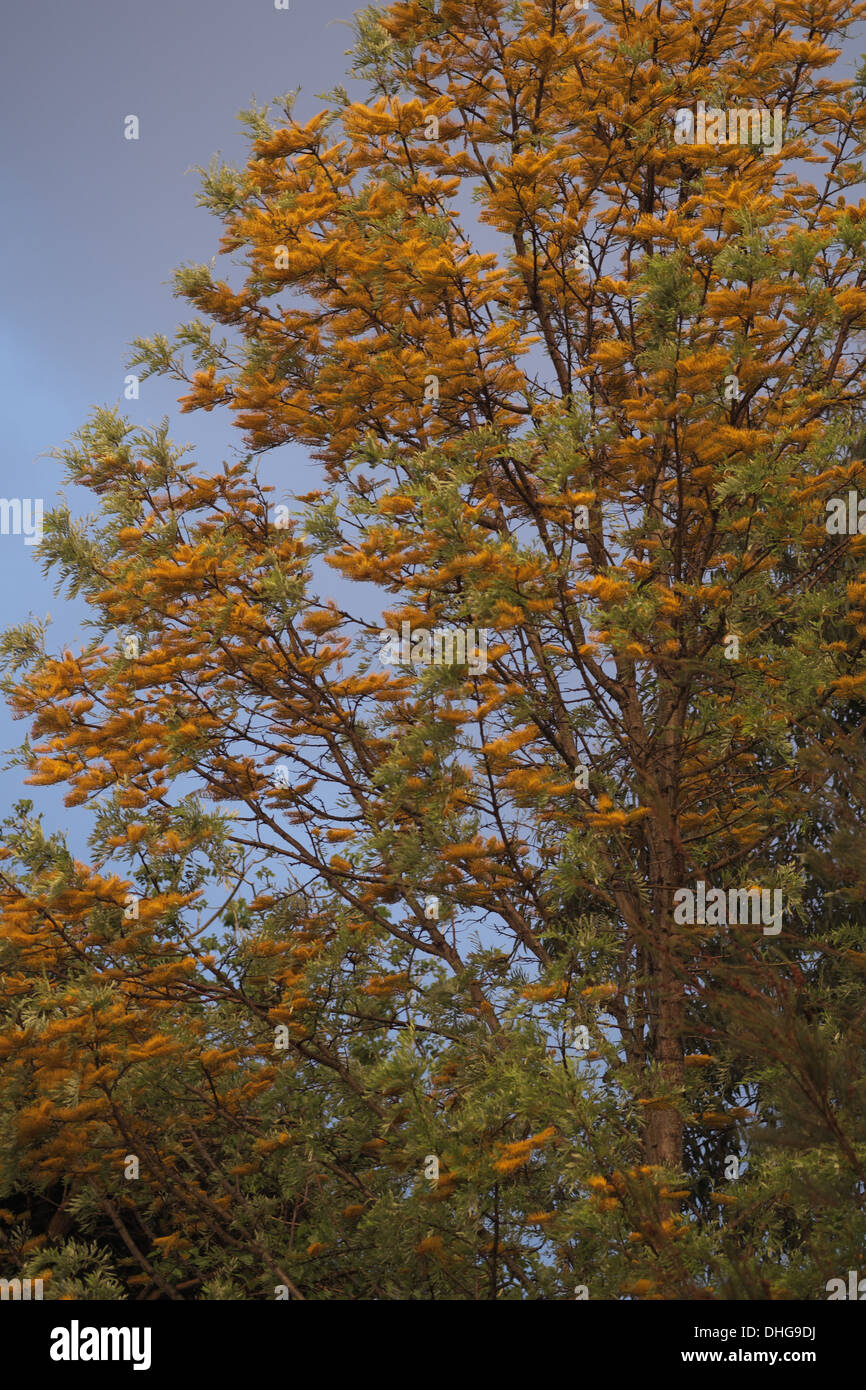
[(95, 224)]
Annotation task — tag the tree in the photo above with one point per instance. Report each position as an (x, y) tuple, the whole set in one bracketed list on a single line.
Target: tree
[(588, 447)]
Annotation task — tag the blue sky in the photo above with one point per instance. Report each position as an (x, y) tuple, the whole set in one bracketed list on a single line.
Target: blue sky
[(95, 225)]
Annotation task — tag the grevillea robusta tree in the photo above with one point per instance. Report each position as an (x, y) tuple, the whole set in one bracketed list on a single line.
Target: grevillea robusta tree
[(478, 930)]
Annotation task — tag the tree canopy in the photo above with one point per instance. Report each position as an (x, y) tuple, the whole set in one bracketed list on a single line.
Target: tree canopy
[(376, 983)]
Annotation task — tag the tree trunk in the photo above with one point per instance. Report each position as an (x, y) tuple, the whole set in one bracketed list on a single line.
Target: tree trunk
[(663, 1136)]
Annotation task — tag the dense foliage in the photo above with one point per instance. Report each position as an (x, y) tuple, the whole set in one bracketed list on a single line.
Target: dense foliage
[(374, 984)]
